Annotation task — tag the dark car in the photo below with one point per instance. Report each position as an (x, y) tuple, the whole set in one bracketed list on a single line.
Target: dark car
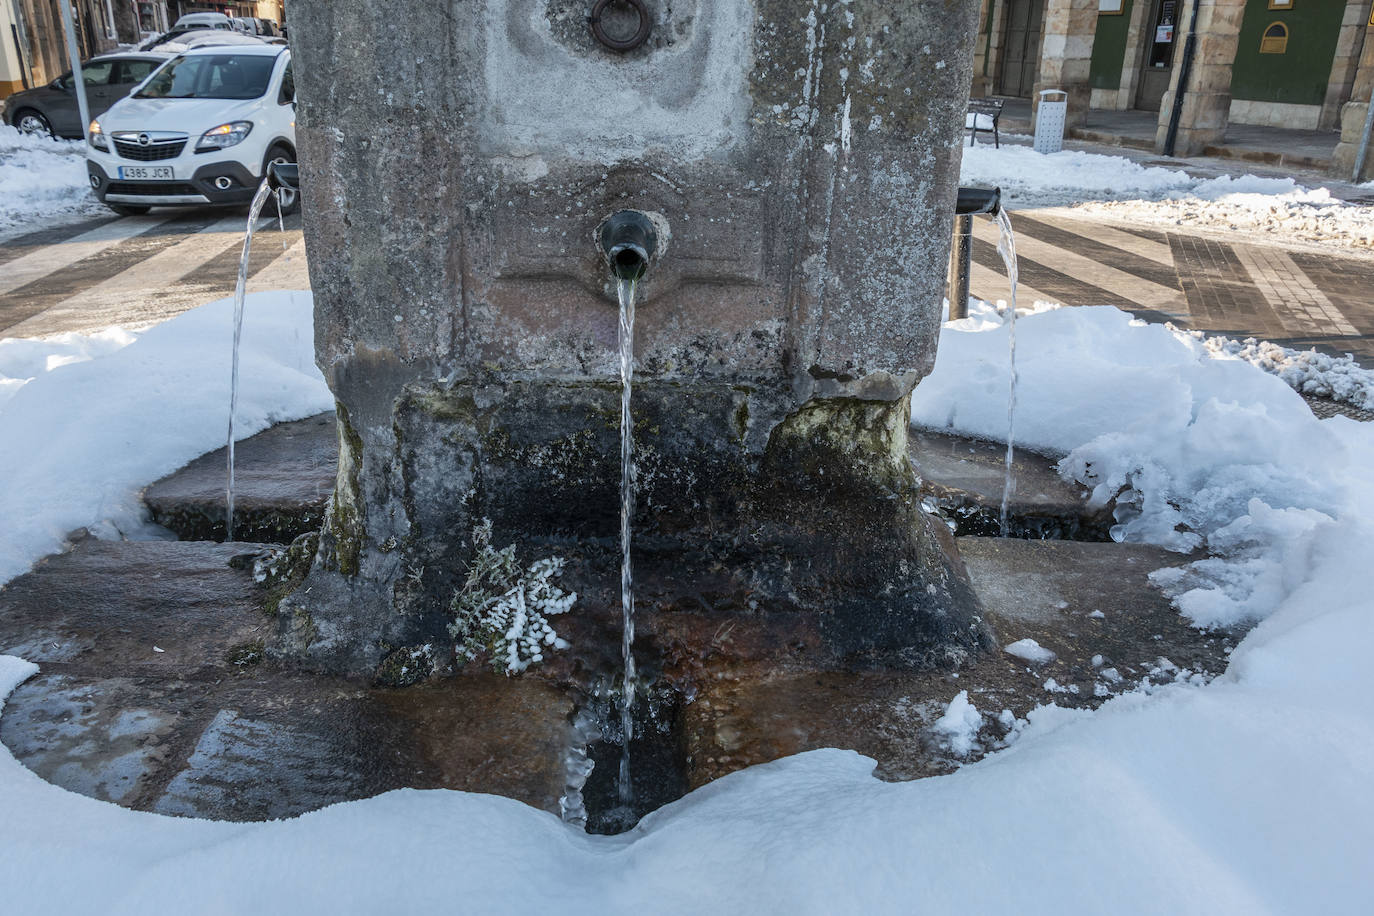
[(52, 109)]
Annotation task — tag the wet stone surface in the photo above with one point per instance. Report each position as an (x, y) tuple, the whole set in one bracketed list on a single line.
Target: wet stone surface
[(211, 727), (965, 477), (282, 478)]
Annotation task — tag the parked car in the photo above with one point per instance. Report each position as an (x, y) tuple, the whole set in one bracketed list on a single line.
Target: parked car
[(53, 110), (245, 24), (201, 130), (204, 21), (178, 40)]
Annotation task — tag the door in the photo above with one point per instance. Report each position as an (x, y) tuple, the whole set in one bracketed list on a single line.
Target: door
[(1158, 49), (1021, 47)]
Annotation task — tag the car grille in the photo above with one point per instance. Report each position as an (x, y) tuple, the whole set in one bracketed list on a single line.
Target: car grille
[(152, 188), (153, 152)]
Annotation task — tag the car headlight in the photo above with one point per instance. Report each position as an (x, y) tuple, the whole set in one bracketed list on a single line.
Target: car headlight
[(225, 135), (98, 137)]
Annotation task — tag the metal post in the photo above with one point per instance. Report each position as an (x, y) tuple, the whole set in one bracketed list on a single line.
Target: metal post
[(963, 267), (70, 28)]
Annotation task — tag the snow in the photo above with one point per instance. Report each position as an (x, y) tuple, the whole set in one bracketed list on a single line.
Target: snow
[(1199, 453), (41, 178), (1030, 650), (1120, 189), (1339, 378), (1246, 794), (102, 416), (959, 725)]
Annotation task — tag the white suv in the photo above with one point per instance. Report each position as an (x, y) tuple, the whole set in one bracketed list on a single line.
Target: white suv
[(200, 130)]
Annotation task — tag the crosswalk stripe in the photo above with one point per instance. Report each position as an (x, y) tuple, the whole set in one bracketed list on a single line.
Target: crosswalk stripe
[(1301, 307), (38, 264), (285, 272), (1128, 287), (991, 285), (101, 305), (1068, 220)]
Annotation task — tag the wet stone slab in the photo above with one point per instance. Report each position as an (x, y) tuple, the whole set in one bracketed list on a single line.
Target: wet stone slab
[(965, 477), (282, 478), (210, 728)]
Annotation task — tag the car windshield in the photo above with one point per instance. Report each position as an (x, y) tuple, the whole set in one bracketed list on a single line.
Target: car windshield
[(211, 76)]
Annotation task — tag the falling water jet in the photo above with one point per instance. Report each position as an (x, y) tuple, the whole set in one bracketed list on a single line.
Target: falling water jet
[(240, 289), (626, 290), (1006, 247)]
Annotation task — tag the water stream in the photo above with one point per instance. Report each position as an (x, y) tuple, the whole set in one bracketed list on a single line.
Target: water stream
[(240, 290), (1006, 247), (627, 495)]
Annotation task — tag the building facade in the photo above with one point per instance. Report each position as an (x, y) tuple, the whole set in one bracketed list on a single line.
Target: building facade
[(1277, 63)]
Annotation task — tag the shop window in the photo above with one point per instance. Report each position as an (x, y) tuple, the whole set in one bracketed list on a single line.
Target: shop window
[(1275, 40)]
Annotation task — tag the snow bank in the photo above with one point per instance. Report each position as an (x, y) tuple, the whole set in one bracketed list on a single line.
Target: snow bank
[(1198, 452), (1023, 174), (80, 439), (41, 178), (1246, 795), (1339, 378)]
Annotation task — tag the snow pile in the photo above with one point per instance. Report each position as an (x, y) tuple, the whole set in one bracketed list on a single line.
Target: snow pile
[(80, 440), (1248, 794), (1339, 378), (1117, 187), (1198, 452), (40, 178), (1025, 175), (959, 725), (1029, 650), (23, 358)]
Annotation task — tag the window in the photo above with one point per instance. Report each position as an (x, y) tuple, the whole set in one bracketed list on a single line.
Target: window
[(288, 86), (211, 77), (1280, 4), (1275, 39), (97, 72), (134, 71)]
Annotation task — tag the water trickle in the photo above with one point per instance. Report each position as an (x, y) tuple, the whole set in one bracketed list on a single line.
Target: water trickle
[(627, 495), (1006, 247), (240, 289)]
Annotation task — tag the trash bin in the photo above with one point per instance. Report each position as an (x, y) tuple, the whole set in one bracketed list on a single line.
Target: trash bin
[(1049, 120)]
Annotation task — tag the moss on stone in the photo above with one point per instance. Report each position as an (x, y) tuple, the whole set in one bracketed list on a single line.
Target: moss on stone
[(246, 655)]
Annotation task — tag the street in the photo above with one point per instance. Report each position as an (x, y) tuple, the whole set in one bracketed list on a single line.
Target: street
[(137, 271)]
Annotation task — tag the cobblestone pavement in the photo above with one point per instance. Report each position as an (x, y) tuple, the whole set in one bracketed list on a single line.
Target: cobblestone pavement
[(1238, 287), (137, 271)]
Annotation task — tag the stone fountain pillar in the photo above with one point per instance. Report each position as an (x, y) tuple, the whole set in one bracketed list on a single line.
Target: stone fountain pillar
[(800, 161)]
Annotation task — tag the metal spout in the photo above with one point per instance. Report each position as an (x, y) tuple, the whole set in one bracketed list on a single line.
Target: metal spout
[(629, 242), (284, 175), (978, 200)]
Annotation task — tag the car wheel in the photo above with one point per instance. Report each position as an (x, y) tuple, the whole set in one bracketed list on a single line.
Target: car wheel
[(29, 121), (288, 200), (128, 210)]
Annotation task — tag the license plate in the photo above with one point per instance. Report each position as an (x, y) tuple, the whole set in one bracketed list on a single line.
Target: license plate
[(145, 172)]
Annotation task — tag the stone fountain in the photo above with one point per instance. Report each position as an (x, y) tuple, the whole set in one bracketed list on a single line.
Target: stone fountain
[(799, 162)]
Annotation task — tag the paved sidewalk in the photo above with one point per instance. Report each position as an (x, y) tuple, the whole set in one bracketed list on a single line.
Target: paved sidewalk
[(1309, 150)]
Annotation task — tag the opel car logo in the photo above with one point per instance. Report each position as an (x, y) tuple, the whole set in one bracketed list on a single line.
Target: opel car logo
[(144, 139)]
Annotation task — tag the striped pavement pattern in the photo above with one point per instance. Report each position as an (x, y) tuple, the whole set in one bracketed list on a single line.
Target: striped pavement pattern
[(137, 271)]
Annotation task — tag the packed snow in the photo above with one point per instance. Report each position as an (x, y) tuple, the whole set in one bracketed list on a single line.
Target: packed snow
[(87, 422), (1120, 189), (959, 725), (1339, 378), (1029, 650), (1248, 794), (41, 178)]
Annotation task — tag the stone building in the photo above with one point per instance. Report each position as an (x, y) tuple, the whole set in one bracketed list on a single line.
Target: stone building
[(1276, 63)]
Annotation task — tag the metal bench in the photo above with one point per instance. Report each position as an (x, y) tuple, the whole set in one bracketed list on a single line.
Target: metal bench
[(983, 115)]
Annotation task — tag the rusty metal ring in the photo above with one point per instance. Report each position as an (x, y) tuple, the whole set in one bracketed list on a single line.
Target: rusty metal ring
[(621, 44)]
